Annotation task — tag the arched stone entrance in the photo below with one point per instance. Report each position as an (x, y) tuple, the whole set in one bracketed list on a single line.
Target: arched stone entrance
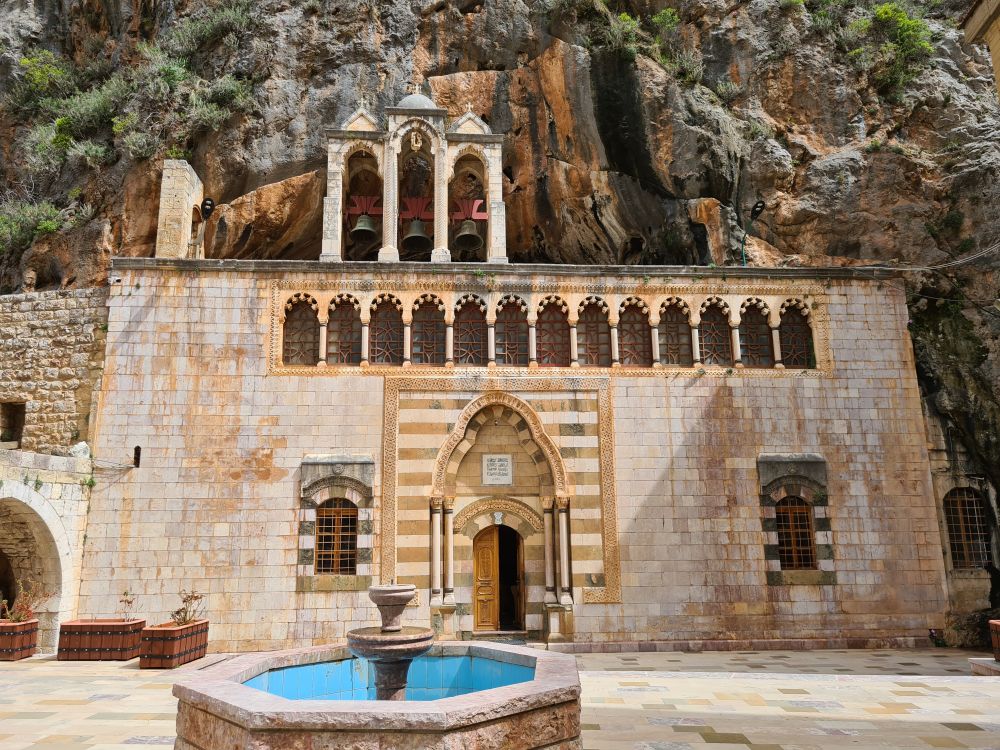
[(36, 548), (498, 444)]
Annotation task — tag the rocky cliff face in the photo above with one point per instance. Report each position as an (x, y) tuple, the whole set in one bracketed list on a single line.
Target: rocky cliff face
[(637, 138)]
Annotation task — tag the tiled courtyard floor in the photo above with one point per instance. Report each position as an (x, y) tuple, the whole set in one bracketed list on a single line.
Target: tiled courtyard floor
[(637, 701)]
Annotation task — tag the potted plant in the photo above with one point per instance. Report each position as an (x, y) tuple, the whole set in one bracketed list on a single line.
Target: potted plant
[(112, 639), (183, 639), (18, 624)]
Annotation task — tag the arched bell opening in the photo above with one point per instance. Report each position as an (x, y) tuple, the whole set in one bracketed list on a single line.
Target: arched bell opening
[(363, 207), (469, 217), (416, 197)]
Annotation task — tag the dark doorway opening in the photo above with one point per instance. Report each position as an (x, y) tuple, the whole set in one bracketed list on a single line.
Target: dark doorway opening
[(12, 423), (8, 582), (511, 569)]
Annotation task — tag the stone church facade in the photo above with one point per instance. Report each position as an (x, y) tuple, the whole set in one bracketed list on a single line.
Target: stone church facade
[(587, 456)]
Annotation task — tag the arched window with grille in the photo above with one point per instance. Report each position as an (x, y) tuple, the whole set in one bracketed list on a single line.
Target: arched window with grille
[(511, 332), (795, 335), (968, 528), (756, 343), (593, 335), (385, 333), (343, 332), (716, 340), (300, 332), (635, 346), (471, 333), (675, 336), (552, 335), (796, 534), (427, 334), (337, 538)]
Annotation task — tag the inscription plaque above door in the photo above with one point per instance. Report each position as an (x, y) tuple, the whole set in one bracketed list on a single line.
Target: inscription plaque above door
[(498, 469)]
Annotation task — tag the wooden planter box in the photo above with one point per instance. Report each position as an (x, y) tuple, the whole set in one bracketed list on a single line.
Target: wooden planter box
[(995, 638), (167, 645), (99, 640), (18, 640)]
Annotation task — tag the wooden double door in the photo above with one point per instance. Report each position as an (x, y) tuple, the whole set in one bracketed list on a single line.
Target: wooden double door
[(498, 585)]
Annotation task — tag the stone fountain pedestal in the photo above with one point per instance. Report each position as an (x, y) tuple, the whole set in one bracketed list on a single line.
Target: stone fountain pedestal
[(391, 647)]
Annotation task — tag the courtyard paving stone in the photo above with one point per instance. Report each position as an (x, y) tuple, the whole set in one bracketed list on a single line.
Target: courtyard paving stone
[(812, 700)]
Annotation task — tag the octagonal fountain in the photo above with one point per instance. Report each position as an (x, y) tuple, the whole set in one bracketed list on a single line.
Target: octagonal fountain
[(390, 686)]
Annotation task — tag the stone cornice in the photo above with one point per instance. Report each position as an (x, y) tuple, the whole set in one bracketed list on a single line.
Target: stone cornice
[(451, 270)]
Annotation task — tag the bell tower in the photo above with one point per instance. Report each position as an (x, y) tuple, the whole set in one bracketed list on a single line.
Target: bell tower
[(414, 188)]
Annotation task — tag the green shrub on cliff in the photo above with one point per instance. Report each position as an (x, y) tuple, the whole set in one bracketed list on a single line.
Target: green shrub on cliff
[(622, 34), (21, 221), (892, 46)]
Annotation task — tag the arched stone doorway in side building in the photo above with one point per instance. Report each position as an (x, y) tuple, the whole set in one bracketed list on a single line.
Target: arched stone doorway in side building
[(34, 547), (498, 579)]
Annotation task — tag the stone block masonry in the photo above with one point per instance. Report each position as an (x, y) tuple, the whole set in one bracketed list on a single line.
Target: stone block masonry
[(51, 356), (671, 529)]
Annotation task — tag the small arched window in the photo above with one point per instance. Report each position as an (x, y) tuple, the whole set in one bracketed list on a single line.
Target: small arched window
[(427, 334), (471, 333), (552, 336), (300, 333), (716, 340), (385, 334), (635, 345), (675, 337), (795, 334), (593, 336), (337, 538), (968, 530), (511, 333), (343, 333), (756, 344), (796, 537)]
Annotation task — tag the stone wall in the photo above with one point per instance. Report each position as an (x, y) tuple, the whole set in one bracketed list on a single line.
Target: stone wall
[(669, 519), (51, 355)]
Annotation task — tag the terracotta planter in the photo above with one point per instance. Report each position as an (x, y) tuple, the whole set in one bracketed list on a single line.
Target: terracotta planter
[(167, 645), (995, 638), (99, 640), (18, 640)]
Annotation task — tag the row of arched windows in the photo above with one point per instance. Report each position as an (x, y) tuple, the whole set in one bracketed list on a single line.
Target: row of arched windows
[(551, 341)]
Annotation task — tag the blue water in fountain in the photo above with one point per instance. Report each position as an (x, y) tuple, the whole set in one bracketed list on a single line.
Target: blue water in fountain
[(430, 678)]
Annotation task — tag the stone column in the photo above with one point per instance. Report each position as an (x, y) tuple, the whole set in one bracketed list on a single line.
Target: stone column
[(364, 344), (565, 596), (574, 348), (776, 344), (441, 253), (491, 345), (449, 551), (390, 204), (695, 345), (322, 344), (333, 207), (550, 573), (532, 345), (449, 345), (406, 344), (496, 241), (734, 333), (615, 356), (436, 504), (655, 340)]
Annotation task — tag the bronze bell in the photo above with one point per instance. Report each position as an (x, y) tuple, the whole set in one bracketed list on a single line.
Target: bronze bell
[(364, 230), (416, 239), (468, 240)]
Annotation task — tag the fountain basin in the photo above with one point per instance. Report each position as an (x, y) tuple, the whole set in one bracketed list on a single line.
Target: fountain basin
[(220, 707)]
